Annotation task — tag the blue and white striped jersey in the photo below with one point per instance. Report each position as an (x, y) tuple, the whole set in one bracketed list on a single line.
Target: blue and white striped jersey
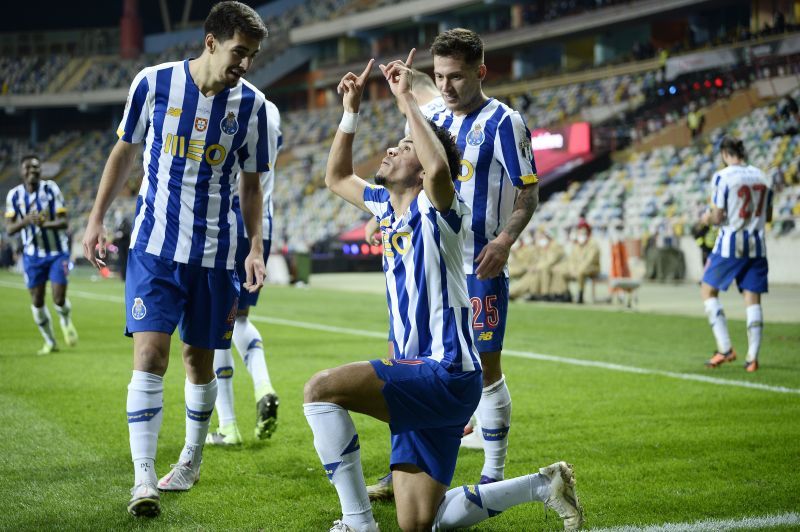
[(267, 178), (47, 199), (191, 144), (429, 109), (426, 289), (743, 192), (496, 146)]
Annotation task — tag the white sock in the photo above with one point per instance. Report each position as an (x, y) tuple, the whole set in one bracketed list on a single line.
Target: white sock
[(200, 400), (467, 505), (494, 417), (719, 325), (755, 324), (251, 348), (64, 312), (41, 316), (144, 406), (336, 442), (223, 368)]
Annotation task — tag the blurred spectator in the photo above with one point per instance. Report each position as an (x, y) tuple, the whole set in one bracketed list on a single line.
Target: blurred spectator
[(582, 263), (695, 120), (535, 283)]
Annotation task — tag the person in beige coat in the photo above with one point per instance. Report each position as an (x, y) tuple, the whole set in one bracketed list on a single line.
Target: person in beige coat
[(535, 283), (582, 263)]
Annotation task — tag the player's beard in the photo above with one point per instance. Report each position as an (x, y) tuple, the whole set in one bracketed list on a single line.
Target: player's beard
[(380, 180)]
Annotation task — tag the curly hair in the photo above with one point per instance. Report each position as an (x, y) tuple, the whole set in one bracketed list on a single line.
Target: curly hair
[(450, 149)]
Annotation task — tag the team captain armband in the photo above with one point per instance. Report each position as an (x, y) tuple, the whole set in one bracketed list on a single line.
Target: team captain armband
[(530, 179)]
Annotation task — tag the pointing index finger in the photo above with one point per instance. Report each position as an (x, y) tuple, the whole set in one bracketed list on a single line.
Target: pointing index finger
[(364, 74), (411, 57)]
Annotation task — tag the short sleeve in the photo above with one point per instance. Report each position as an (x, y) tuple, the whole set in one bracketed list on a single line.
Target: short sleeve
[(11, 211), (453, 217), (719, 192), (512, 147), (137, 111), (58, 198), (258, 143), (376, 199)]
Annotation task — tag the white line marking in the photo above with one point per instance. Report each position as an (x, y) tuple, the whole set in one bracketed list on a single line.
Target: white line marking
[(508, 352), (714, 525)]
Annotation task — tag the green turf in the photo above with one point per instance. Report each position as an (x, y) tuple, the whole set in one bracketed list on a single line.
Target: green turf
[(647, 449)]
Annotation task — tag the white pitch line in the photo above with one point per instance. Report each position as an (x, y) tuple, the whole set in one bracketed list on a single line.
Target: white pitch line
[(714, 525), (509, 352)]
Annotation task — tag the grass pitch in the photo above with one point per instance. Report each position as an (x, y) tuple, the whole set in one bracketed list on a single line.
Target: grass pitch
[(647, 448)]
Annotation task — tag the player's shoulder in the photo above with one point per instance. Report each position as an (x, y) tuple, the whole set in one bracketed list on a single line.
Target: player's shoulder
[(153, 70), (15, 191), (259, 96), (272, 109)]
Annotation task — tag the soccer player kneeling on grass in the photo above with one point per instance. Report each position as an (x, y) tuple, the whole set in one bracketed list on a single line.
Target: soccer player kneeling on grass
[(200, 123), (429, 390)]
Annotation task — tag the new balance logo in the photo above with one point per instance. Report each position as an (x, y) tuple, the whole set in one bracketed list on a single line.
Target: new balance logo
[(485, 336)]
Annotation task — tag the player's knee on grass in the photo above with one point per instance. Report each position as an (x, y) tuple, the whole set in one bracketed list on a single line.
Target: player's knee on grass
[(414, 523)]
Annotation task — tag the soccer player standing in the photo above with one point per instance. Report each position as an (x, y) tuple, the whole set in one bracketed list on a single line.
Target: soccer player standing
[(200, 123), (432, 386), (741, 205), (36, 208), (245, 335), (499, 183)]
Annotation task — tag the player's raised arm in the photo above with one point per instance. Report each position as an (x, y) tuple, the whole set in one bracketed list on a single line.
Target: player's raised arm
[(339, 175), (114, 176), (437, 180)]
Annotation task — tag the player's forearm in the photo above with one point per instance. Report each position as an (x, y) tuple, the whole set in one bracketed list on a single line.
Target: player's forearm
[(250, 199), (59, 223), (16, 226), (115, 174), (524, 207), (340, 159)]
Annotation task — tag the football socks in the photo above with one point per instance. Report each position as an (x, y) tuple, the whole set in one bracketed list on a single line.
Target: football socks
[(41, 316), (249, 344), (144, 406), (467, 505), (719, 325), (336, 442), (200, 400), (223, 368), (494, 418), (755, 325)]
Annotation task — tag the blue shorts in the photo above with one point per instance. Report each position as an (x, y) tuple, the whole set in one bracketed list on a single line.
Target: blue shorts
[(247, 299), (161, 294), (39, 269), (750, 274), (489, 298), (428, 408)]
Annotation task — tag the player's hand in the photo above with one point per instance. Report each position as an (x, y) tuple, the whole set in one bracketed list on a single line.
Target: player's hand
[(255, 271), (352, 87), (94, 238), (372, 238), (399, 75), (492, 259)]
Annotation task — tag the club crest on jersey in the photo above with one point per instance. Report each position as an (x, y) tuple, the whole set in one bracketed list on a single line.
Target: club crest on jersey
[(200, 124), (476, 136), (138, 311), (229, 125)]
